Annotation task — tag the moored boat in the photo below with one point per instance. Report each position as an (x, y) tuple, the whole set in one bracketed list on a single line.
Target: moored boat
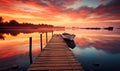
[(68, 36)]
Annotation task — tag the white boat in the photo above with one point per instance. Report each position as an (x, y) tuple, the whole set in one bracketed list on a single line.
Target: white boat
[(68, 36)]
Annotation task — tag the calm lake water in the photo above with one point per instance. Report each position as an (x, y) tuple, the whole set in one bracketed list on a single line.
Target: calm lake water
[(92, 47)]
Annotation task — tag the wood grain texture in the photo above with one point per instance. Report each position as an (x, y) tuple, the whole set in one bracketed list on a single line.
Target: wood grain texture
[(56, 56)]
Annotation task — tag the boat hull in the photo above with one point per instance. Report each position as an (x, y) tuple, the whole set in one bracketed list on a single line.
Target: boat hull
[(68, 38)]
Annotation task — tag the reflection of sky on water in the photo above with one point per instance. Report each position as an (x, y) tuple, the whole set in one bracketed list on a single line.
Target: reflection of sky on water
[(22, 60), (102, 50), (110, 45), (92, 46), (14, 50)]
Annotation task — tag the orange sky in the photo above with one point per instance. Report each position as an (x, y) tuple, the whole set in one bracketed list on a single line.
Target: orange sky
[(62, 12)]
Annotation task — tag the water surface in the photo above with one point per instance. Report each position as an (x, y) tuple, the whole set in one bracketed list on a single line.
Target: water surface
[(92, 47), (98, 47)]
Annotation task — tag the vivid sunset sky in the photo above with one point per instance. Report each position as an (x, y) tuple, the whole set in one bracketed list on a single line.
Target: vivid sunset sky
[(63, 12)]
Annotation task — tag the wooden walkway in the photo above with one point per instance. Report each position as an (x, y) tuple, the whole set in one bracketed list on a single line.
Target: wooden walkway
[(56, 56)]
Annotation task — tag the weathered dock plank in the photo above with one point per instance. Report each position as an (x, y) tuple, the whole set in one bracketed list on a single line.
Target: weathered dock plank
[(56, 56)]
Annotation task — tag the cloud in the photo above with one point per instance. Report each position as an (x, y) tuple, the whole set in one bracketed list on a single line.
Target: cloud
[(60, 2), (28, 8), (101, 1), (110, 11), (58, 10)]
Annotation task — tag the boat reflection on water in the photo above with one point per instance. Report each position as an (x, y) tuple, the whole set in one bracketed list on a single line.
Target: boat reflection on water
[(70, 43), (68, 38)]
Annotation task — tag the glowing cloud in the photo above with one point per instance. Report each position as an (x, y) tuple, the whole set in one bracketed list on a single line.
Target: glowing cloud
[(61, 12)]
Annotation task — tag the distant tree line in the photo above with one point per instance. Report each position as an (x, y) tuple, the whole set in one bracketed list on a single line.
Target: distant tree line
[(15, 24)]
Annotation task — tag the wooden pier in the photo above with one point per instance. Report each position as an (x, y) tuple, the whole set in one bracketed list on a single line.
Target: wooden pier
[(56, 56)]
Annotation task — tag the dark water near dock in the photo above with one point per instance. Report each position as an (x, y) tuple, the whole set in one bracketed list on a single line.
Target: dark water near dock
[(98, 51), (92, 47)]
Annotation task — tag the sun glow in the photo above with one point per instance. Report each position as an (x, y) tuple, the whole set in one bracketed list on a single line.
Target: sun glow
[(64, 13)]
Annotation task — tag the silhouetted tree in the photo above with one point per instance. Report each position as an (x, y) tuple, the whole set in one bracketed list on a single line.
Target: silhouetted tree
[(6, 22), (2, 37), (1, 20), (13, 22)]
